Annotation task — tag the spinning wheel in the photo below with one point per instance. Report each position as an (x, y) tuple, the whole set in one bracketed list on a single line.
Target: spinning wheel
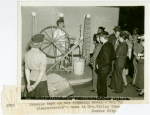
[(51, 45)]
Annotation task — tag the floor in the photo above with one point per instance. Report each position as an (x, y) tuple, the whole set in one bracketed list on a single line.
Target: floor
[(73, 78), (84, 89), (130, 91)]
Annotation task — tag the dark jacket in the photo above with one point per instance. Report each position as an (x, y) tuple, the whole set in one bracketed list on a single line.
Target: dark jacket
[(112, 39), (105, 57), (121, 54)]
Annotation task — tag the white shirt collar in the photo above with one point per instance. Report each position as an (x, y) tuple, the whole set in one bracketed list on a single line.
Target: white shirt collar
[(35, 49)]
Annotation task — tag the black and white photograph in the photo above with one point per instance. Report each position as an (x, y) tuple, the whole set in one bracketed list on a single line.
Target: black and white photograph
[(82, 52)]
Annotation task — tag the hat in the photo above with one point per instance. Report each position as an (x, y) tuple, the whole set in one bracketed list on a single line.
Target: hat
[(141, 37), (101, 28), (117, 28), (38, 38), (106, 34)]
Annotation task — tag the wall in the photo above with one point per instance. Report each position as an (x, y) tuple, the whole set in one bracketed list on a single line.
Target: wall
[(73, 16)]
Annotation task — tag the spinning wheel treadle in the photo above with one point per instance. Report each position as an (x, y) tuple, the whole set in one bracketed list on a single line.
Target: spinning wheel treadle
[(51, 45)]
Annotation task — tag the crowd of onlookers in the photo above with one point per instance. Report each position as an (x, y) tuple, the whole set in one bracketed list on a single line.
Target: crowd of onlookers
[(114, 56)]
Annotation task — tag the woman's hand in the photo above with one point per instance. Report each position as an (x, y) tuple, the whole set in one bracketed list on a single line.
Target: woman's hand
[(134, 53), (31, 88), (129, 44), (28, 88), (138, 57), (97, 66), (140, 54)]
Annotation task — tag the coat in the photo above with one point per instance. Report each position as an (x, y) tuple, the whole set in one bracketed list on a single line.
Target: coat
[(112, 39), (121, 54), (105, 57)]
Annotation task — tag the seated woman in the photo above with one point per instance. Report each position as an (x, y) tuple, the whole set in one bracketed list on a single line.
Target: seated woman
[(139, 81), (120, 63), (38, 83), (60, 36)]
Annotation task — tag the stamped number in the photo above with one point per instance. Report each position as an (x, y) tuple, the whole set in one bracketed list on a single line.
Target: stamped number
[(10, 105)]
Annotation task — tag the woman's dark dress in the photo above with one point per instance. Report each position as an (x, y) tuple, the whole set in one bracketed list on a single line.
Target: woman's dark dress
[(120, 63), (140, 74), (40, 90)]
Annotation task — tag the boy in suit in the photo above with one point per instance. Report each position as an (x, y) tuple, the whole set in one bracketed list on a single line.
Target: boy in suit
[(103, 64)]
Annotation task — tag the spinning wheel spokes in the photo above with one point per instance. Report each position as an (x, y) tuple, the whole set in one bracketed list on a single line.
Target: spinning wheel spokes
[(46, 42), (49, 39), (47, 34), (54, 48), (52, 33), (49, 49), (45, 47), (63, 46)]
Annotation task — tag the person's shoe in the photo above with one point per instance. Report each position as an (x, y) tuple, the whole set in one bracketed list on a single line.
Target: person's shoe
[(138, 90), (93, 91), (141, 94)]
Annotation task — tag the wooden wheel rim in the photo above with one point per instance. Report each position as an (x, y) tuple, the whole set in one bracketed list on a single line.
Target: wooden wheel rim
[(51, 45)]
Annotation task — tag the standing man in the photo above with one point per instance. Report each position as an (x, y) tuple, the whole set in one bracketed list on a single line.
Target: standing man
[(113, 37), (103, 64)]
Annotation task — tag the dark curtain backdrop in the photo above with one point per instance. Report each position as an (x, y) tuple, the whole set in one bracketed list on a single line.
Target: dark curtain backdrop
[(130, 17)]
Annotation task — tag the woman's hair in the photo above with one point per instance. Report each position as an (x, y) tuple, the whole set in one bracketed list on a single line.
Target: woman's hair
[(124, 35), (135, 29), (35, 45), (61, 19)]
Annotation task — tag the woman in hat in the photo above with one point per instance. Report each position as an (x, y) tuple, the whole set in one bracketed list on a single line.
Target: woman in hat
[(35, 67), (96, 37), (128, 59), (139, 81), (38, 83), (135, 35), (120, 63), (137, 48)]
